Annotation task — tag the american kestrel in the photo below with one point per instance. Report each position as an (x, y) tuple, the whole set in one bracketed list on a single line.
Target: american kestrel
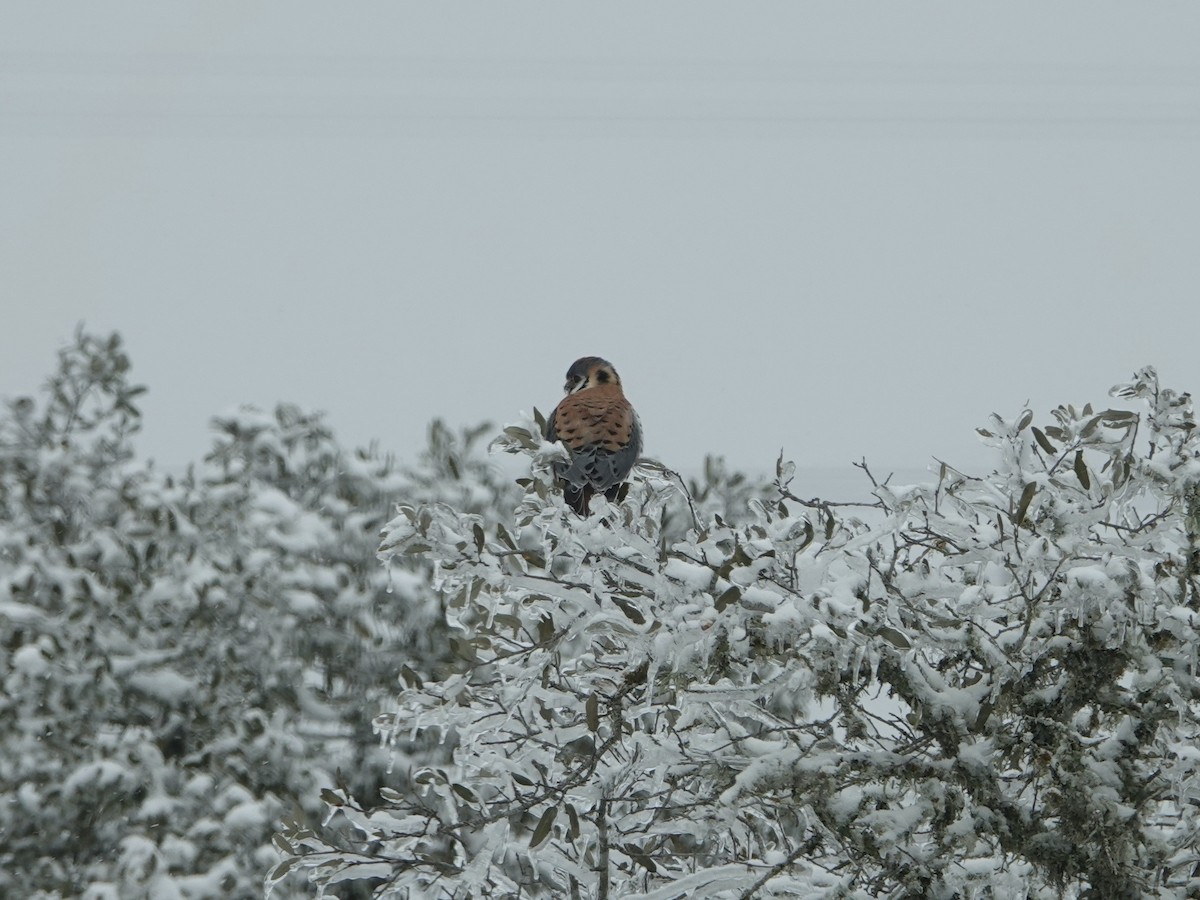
[(599, 429)]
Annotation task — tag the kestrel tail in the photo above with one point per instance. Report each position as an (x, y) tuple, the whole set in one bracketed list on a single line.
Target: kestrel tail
[(600, 430)]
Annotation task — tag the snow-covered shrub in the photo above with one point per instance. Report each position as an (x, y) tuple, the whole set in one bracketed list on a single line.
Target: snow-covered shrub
[(187, 660), (981, 687)]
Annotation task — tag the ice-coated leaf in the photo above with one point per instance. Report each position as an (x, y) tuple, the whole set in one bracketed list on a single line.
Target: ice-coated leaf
[(1027, 495), (1119, 417), (895, 637), (542, 830), (728, 596), (411, 678), (631, 611)]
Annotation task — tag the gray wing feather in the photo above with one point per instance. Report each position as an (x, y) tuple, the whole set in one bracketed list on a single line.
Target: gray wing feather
[(604, 468), (596, 466)]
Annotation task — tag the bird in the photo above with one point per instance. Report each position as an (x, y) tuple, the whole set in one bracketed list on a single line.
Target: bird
[(600, 430)]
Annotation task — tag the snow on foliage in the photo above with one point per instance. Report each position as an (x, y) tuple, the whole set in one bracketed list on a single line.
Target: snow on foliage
[(186, 660), (977, 687)]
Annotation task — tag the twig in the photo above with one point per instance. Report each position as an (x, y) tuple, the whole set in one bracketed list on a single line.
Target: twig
[(602, 855), (666, 470), (772, 872)]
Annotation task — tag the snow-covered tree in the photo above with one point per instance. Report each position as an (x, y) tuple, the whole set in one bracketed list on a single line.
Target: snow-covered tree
[(185, 660), (977, 687)]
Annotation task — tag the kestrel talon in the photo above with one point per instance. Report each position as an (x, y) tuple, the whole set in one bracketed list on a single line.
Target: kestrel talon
[(600, 430)]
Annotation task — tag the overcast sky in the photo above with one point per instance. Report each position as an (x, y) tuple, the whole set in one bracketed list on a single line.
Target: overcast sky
[(840, 229)]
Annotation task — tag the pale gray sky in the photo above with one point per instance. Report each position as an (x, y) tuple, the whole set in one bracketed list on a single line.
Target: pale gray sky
[(841, 229)]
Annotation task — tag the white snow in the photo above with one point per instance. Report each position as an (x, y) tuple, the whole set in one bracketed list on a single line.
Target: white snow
[(30, 661)]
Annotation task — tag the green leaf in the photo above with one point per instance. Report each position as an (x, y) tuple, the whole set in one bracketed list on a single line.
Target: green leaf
[(1023, 504), (332, 798), (985, 710), (1081, 471), (506, 620), (1043, 441), (730, 595), (463, 650), (505, 537), (809, 534), (1023, 422), (480, 538), (591, 711), (1091, 425), (573, 830), (282, 869), (639, 856), (545, 823)]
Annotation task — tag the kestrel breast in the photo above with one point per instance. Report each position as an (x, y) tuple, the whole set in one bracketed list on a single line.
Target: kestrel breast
[(598, 417)]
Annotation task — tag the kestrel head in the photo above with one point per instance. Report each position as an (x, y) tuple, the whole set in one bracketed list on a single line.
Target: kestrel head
[(589, 372)]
